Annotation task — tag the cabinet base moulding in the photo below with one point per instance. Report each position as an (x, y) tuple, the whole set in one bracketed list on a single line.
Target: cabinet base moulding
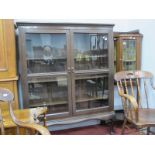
[(76, 119)]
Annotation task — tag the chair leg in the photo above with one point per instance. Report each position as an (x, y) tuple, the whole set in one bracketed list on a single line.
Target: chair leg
[(2, 129), (1, 124), (123, 127)]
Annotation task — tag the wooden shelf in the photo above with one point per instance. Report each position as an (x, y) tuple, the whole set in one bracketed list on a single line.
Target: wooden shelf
[(42, 59), (129, 60), (88, 98), (47, 104), (91, 56)]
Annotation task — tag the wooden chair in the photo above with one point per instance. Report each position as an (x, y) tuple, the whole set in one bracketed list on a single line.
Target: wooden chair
[(7, 97), (134, 88)]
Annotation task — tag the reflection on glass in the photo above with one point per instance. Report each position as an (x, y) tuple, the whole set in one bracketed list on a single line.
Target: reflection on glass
[(90, 51), (129, 54), (46, 52), (91, 92), (53, 93)]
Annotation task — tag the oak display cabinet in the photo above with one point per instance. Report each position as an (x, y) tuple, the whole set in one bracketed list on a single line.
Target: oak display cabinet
[(68, 68), (127, 51)]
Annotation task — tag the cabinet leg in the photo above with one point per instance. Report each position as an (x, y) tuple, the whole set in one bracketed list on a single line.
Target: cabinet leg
[(110, 124), (44, 120), (111, 128), (148, 130)]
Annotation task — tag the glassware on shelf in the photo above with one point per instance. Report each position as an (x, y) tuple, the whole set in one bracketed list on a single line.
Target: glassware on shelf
[(91, 89), (90, 51), (52, 94), (46, 53)]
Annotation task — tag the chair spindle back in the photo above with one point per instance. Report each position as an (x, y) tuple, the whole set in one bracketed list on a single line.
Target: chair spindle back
[(133, 83)]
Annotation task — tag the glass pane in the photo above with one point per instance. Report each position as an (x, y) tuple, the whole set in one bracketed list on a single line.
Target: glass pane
[(46, 53), (91, 92), (90, 51), (53, 93), (129, 55)]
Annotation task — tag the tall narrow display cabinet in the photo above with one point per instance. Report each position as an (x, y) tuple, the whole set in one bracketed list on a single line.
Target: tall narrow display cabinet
[(68, 68), (8, 75), (127, 50)]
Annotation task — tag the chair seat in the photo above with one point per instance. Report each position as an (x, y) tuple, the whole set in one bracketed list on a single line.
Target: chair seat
[(146, 117), (24, 115), (20, 118)]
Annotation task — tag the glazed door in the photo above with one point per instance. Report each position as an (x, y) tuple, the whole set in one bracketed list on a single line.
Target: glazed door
[(49, 91), (90, 70), (46, 78), (128, 60)]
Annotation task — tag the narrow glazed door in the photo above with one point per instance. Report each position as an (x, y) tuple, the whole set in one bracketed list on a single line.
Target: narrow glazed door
[(129, 53), (90, 71), (46, 62)]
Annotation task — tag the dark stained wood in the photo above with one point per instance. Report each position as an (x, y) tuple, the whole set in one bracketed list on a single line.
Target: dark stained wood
[(69, 29), (76, 119), (28, 23)]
